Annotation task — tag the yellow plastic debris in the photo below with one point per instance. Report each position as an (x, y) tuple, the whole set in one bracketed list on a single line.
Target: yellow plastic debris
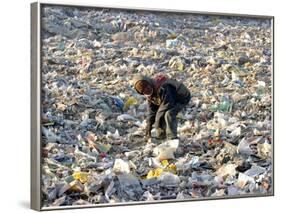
[(81, 176), (180, 66), (131, 101), (154, 173), (172, 168), (165, 163), (158, 171)]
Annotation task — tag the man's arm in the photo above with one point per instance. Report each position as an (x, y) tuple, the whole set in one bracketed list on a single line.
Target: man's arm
[(152, 110), (167, 95)]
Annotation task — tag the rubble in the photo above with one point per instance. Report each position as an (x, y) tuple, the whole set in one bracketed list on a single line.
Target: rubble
[(121, 167), (166, 150), (94, 148)]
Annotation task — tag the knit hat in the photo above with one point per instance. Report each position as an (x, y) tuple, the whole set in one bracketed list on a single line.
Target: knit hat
[(140, 82)]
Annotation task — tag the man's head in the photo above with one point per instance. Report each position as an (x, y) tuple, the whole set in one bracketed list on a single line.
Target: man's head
[(144, 88), (143, 85)]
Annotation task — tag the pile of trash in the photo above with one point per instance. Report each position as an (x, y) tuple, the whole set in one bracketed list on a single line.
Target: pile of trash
[(93, 145)]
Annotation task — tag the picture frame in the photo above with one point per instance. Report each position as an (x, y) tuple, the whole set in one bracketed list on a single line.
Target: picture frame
[(224, 150)]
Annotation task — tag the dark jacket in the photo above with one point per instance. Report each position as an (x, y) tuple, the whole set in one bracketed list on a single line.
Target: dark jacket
[(168, 98)]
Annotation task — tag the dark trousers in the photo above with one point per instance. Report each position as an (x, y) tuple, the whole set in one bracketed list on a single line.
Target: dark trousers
[(168, 123)]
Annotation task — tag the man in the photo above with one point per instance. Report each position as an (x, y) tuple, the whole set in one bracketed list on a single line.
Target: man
[(166, 97)]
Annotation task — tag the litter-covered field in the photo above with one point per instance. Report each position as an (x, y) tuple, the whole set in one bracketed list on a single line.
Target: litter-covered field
[(93, 121)]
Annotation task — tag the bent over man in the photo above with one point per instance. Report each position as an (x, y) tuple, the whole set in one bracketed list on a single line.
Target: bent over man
[(166, 97)]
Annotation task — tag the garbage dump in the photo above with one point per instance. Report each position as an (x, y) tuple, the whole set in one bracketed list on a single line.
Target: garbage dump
[(94, 148)]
